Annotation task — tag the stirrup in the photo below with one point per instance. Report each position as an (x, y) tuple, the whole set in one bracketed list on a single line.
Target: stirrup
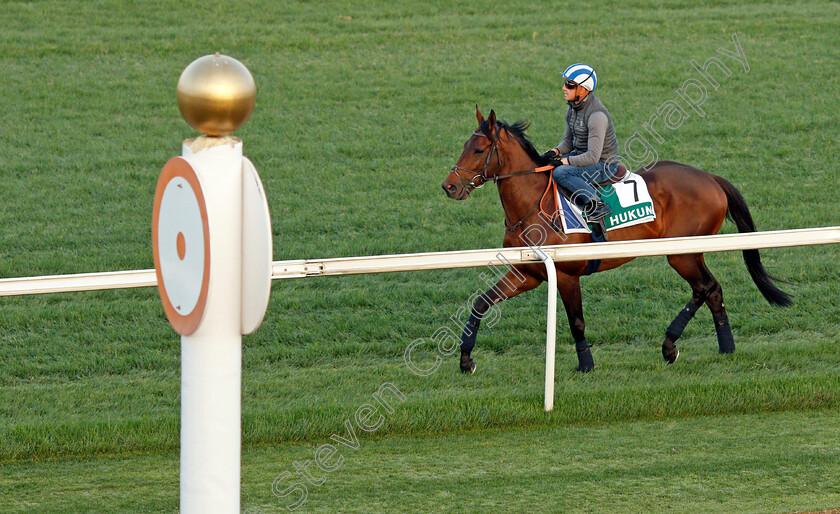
[(598, 232), (601, 211)]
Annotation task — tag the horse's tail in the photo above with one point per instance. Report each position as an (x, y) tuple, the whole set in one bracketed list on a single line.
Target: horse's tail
[(740, 214)]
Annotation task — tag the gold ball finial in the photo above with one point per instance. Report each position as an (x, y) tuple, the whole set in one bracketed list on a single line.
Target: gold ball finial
[(216, 94)]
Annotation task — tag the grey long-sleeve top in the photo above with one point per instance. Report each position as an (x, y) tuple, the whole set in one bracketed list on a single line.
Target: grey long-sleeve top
[(590, 133)]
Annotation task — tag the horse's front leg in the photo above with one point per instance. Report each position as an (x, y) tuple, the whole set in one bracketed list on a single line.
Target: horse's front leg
[(569, 288), (514, 282)]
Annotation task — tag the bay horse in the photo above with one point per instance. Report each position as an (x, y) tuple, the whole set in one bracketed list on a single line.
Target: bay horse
[(687, 202)]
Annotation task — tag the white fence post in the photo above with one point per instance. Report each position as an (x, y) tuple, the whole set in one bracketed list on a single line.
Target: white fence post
[(550, 329)]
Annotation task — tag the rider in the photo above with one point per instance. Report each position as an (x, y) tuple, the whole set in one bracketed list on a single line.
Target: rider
[(589, 151)]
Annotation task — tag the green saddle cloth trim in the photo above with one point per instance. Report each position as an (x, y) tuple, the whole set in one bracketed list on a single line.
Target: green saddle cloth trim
[(633, 214)]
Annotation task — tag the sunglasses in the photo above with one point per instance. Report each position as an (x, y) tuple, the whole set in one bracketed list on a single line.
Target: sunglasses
[(568, 84)]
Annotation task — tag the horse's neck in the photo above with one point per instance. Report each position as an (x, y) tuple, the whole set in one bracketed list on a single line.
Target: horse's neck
[(519, 194)]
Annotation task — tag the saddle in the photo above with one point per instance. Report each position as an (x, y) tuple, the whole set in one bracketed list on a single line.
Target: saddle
[(624, 184), (620, 175)]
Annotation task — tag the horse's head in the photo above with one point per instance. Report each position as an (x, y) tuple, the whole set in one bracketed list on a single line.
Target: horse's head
[(480, 161)]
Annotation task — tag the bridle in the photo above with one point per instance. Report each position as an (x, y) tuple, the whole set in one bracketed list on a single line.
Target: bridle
[(494, 149)]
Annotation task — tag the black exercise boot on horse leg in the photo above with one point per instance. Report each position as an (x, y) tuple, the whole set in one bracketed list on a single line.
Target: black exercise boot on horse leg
[(513, 283), (687, 202)]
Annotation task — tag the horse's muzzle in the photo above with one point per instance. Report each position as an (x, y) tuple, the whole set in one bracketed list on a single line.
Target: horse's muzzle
[(454, 190), (449, 188)]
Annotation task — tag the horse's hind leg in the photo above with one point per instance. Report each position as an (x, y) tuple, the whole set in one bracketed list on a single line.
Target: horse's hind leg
[(706, 289), (513, 283), (726, 342)]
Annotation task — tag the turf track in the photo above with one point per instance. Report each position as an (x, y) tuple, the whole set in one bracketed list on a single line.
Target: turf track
[(361, 108)]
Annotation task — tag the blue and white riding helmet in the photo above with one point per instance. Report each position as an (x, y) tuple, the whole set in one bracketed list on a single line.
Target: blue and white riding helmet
[(583, 75)]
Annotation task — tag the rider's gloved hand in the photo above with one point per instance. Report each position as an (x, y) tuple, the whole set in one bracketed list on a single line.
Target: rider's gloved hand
[(551, 157)]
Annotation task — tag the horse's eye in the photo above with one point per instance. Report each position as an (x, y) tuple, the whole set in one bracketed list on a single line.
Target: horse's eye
[(479, 151)]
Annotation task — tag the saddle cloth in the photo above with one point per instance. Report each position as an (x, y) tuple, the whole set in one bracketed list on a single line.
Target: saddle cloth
[(629, 200)]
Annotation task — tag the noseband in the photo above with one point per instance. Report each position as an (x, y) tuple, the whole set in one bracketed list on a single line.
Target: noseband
[(494, 149)]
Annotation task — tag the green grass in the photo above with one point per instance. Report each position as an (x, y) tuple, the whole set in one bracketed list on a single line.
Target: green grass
[(767, 462), (361, 109)]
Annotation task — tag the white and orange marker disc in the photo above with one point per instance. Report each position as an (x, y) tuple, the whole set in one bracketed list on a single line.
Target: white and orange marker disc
[(181, 245), (257, 249)]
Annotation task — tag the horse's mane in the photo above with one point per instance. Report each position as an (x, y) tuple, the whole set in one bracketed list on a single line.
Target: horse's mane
[(517, 130)]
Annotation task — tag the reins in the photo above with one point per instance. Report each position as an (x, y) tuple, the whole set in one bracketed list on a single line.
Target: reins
[(494, 149), (539, 201), (496, 178)]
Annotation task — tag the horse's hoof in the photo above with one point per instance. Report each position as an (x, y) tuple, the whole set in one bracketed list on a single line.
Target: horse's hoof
[(672, 356), (726, 350), (670, 352), (585, 369), (468, 368)]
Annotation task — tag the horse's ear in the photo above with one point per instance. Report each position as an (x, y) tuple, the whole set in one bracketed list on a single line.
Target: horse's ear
[(491, 122), (478, 115)]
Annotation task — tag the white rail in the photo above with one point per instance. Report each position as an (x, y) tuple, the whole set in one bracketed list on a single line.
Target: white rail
[(462, 259), (558, 253), (78, 282), (446, 260)]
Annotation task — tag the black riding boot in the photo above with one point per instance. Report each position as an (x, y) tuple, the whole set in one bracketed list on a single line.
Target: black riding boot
[(596, 210)]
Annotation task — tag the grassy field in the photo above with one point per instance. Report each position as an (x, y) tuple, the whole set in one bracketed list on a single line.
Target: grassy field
[(361, 109), (697, 464)]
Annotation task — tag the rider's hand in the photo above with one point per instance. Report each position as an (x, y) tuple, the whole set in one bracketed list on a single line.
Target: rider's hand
[(551, 157)]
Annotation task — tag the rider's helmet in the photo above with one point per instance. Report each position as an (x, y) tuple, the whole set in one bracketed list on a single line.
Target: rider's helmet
[(582, 75)]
